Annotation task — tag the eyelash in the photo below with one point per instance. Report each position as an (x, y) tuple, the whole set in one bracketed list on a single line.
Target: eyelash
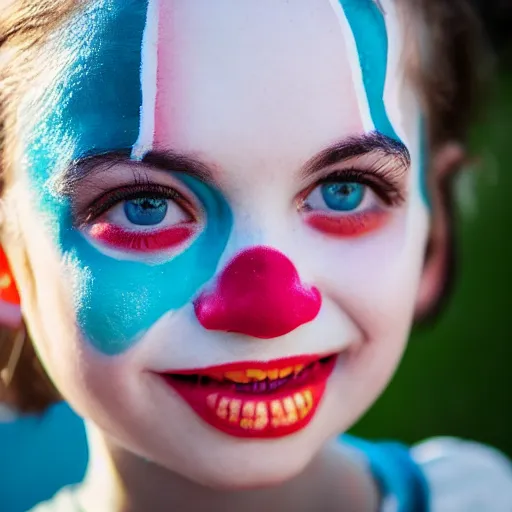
[(137, 190), (381, 182)]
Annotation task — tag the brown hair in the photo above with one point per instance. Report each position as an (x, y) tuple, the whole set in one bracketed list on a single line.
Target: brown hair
[(448, 76)]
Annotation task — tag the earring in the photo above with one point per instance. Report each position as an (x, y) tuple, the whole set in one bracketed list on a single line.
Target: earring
[(7, 372), (8, 290), (10, 316)]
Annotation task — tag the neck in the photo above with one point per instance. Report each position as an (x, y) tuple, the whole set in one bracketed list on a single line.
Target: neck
[(120, 481)]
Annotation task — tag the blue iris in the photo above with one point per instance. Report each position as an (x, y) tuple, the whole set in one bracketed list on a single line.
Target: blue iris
[(342, 195), (146, 211)]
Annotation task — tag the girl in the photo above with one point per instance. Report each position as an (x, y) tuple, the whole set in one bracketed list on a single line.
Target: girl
[(222, 219)]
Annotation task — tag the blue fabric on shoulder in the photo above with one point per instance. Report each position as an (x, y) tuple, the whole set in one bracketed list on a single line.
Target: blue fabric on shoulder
[(39, 456), (395, 472)]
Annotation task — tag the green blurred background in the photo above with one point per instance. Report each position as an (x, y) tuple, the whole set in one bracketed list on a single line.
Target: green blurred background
[(455, 378)]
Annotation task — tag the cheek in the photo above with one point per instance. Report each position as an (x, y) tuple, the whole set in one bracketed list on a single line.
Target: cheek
[(117, 301), (375, 278)]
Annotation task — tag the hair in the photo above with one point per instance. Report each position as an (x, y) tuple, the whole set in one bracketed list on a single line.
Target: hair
[(448, 76)]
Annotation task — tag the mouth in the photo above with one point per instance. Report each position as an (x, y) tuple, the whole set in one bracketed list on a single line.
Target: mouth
[(255, 399)]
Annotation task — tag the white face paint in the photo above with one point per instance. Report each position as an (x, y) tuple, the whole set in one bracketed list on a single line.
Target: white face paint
[(279, 102)]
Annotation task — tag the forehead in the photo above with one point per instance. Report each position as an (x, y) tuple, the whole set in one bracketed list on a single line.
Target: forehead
[(185, 74), (276, 69)]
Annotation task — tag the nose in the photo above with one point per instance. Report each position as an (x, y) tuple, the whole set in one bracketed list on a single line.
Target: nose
[(259, 294)]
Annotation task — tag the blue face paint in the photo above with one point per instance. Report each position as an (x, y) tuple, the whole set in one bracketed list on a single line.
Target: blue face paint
[(368, 26), (94, 108), (424, 163), (119, 300)]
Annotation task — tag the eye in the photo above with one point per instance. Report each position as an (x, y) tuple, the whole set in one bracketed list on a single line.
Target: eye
[(142, 220), (344, 208), (338, 196), (146, 213)]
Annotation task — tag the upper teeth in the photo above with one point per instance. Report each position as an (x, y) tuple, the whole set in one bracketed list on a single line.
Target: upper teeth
[(253, 375)]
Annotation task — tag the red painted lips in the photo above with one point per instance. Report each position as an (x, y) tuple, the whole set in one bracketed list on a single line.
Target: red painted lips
[(257, 400)]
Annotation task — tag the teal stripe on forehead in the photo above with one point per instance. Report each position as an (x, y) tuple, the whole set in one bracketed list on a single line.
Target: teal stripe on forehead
[(99, 93), (369, 28), (94, 107)]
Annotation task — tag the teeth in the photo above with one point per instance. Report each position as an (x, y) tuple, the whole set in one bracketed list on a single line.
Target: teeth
[(222, 408), (249, 410), (240, 377), (291, 411), (277, 413), (258, 415), (254, 375), (298, 368), (273, 374), (234, 410), (300, 402), (211, 400), (309, 398), (285, 373), (304, 403), (261, 420)]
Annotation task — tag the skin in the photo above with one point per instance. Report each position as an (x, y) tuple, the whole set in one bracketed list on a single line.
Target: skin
[(289, 90)]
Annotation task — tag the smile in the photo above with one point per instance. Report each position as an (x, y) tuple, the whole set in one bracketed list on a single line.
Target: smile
[(254, 399)]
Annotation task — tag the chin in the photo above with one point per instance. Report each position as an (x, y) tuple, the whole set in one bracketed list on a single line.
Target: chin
[(255, 473), (226, 463)]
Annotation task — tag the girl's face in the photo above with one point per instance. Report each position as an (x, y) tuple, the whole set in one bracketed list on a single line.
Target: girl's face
[(223, 212)]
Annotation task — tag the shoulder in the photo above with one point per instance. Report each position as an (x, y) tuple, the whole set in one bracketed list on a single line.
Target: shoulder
[(63, 502), (7, 415), (49, 451), (464, 475), (401, 481), (438, 475)]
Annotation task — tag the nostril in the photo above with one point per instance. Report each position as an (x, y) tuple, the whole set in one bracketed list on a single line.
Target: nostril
[(259, 294)]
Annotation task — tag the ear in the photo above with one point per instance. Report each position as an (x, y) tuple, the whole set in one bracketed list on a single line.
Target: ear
[(439, 267), (10, 310)]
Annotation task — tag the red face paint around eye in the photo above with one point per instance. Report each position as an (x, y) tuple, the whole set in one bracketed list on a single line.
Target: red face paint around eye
[(258, 294), (353, 225), (255, 399), (141, 241)]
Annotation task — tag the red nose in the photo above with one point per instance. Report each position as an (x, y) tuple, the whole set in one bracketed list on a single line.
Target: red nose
[(258, 294)]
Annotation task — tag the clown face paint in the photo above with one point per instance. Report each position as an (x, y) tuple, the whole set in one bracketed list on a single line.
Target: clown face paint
[(101, 80), (108, 100), (197, 165)]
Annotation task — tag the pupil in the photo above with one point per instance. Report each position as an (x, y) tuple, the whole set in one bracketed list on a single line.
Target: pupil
[(345, 189)]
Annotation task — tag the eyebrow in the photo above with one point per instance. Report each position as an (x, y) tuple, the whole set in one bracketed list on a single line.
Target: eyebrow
[(169, 160), (354, 147)]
